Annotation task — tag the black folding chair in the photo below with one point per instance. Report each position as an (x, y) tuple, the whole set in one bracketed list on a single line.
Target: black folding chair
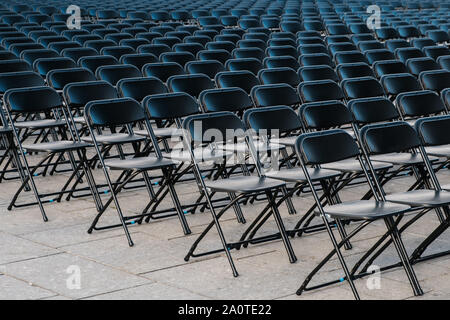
[(336, 145), (125, 112), (196, 132), (43, 100)]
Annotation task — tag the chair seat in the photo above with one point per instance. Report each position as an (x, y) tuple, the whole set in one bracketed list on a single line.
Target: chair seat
[(297, 175), (353, 166), (287, 141), (364, 209), (56, 146), (200, 154), (115, 138), (79, 120), (439, 151), (38, 124), (421, 198), (162, 132), (242, 147), (139, 163), (244, 184), (401, 158)]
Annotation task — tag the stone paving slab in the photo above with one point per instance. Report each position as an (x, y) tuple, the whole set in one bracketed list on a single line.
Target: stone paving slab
[(34, 256)]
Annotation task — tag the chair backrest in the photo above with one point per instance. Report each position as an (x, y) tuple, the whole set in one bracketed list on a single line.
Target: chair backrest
[(206, 67), (281, 118), (371, 110), (363, 87), (325, 115), (58, 78), (228, 99), (417, 65), (385, 67), (433, 131), (139, 88), (320, 90), (113, 112), (170, 105), (250, 64), (317, 72), (163, 70), (15, 65), (94, 62), (241, 79), (78, 94), (436, 80), (32, 55), (275, 95), (23, 79), (220, 55), (325, 146), (282, 61), (45, 65), (375, 55), (279, 75), (213, 127), (354, 70), (113, 74), (315, 59), (403, 54), (32, 100), (192, 84), (420, 103), (389, 137), (395, 84)]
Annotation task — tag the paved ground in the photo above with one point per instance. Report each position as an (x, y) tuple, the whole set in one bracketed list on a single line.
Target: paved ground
[(36, 258)]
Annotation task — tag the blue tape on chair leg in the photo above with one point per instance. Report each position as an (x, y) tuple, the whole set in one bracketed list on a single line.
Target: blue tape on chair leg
[(342, 279)]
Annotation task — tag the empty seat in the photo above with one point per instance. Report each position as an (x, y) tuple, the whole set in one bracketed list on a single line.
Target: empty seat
[(163, 70), (14, 65), (395, 84), (139, 88), (436, 80), (92, 63), (436, 51), (444, 62), (349, 57), (279, 75), (403, 54), (277, 51), (363, 87), (393, 45), (384, 67), (138, 60), (32, 55), (378, 55), (315, 59), (59, 78), (207, 67), (114, 73), (251, 64), (155, 49), (386, 33), (320, 90), (283, 61), (419, 103), (192, 84), (317, 72), (417, 65), (256, 53), (275, 95), (44, 65), (220, 55), (179, 57), (245, 80), (354, 70), (419, 43)]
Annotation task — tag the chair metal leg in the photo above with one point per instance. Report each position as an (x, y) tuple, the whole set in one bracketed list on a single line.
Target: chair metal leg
[(396, 238), (280, 224)]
